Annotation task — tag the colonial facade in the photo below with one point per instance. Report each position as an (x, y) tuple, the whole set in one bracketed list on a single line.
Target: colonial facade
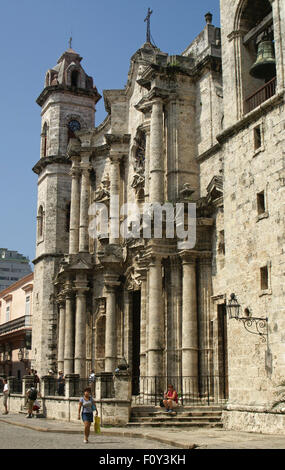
[(204, 127), (16, 327)]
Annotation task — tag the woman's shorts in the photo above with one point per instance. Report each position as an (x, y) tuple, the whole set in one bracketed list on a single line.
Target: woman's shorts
[(87, 417)]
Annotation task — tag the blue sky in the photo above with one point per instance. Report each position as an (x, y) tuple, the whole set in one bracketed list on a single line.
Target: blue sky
[(33, 35)]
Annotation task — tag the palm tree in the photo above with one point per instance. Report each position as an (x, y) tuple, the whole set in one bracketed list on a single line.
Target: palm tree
[(281, 393)]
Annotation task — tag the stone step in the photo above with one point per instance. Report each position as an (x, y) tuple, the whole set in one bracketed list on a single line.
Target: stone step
[(182, 414), (36, 415), (176, 424), (173, 417), (142, 408)]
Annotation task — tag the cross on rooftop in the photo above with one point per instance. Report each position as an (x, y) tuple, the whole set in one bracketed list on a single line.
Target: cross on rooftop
[(147, 19)]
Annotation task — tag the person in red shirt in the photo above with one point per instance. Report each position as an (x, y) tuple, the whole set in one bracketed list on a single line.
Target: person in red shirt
[(170, 399)]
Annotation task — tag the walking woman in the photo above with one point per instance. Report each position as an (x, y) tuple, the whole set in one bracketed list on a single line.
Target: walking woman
[(88, 405)]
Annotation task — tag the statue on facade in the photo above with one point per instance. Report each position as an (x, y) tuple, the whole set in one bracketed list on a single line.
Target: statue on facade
[(102, 194)]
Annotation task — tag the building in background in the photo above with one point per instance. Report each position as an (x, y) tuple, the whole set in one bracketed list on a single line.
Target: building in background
[(13, 266), (15, 327)]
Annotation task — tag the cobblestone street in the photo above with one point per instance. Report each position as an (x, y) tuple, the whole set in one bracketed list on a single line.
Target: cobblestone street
[(17, 432), (14, 437)]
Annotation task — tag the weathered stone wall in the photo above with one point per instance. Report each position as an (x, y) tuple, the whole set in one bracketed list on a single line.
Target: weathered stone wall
[(250, 421), (251, 242), (112, 412)]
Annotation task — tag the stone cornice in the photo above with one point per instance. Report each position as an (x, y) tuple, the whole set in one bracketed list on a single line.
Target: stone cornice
[(101, 150), (145, 104), (209, 62), (111, 96), (117, 138), (47, 255), (44, 161), (208, 153), (255, 114), (92, 93)]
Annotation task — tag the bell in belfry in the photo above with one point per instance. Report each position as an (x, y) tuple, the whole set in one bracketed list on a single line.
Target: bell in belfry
[(265, 65)]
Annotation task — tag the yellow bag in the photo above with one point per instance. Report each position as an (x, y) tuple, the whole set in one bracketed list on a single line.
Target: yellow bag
[(97, 429)]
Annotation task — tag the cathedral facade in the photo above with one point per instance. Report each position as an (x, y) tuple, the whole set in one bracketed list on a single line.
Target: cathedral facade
[(204, 128)]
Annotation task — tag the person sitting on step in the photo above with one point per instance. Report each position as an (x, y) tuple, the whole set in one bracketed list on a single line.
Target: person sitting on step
[(170, 399)]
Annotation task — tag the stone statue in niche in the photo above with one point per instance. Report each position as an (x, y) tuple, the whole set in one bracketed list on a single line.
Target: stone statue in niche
[(138, 179), (102, 194)]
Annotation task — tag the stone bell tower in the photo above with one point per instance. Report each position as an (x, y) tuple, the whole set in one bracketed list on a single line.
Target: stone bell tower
[(68, 105)]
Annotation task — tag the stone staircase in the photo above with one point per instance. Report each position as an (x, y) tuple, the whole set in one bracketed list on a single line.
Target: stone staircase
[(185, 416)]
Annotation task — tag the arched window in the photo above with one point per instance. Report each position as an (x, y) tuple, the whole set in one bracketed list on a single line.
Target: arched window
[(44, 140), (257, 56), (74, 79), (40, 220)]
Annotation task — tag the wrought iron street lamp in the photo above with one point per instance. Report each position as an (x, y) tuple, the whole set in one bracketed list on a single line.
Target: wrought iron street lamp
[(254, 325), (20, 355), (233, 307)]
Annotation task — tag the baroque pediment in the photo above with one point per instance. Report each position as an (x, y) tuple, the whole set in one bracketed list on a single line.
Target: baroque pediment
[(215, 189)]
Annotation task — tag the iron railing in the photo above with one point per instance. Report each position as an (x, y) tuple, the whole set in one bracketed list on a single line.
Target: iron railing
[(206, 390), (54, 388), (259, 96), (16, 386)]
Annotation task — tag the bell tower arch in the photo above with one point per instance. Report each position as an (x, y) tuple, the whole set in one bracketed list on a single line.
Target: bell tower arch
[(252, 62)]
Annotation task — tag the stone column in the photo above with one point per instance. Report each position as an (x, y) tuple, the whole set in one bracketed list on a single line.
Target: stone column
[(114, 199), (205, 292), (111, 333), (74, 207), (156, 164), (84, 204), (61, 333), (172, 149), (69, 330), (174, 320), (146, 162), (189, 326), (128, 326), (80, 325), (155, 320)]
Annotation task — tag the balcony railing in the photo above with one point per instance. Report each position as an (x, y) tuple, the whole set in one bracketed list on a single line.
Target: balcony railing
[(21, 322), (261, 95)]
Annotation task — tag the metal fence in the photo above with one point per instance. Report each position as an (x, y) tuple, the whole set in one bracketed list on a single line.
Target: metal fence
[(16, 386), (206, 390)]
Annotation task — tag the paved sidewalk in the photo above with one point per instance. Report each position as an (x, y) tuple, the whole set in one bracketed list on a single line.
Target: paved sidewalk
[(184, 438)]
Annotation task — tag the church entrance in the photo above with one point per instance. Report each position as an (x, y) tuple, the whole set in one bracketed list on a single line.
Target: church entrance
[(223, 351), (136, 321)]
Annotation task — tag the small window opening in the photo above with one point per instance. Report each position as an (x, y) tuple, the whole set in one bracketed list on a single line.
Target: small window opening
[(257, 138), (74, 78), (260, 203), (40, 221), (264, 278), (44, 137)]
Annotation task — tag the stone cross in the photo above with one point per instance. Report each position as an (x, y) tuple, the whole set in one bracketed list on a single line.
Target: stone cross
[(147, 19)]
